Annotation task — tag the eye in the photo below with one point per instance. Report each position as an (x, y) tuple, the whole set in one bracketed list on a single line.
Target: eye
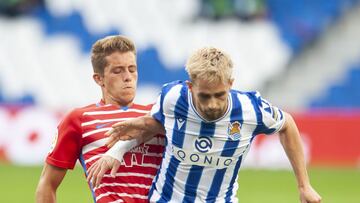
[(116, 70), (220, 95), (204, 96), (132, 69)]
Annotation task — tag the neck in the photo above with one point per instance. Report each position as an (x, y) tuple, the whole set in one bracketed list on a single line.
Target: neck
[(108, 99)]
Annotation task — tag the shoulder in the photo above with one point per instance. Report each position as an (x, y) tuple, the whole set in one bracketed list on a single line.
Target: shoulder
[(253, 96), (175, 89), (75, 115), (171, 85)]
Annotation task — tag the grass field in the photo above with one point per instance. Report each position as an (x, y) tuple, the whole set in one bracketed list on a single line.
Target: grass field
[(256, 186)]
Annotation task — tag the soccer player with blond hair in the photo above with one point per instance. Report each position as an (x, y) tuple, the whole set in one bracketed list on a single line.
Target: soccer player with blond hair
[(209, 129)]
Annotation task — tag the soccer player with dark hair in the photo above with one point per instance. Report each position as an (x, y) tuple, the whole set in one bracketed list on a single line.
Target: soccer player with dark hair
[(81, 133)]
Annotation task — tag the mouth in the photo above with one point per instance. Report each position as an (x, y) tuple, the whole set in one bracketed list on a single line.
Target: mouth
[(214, 111)]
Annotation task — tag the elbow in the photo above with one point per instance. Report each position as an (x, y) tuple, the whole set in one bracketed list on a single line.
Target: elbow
[(40, 189), (39, 193), (289, 123), (44, 192)]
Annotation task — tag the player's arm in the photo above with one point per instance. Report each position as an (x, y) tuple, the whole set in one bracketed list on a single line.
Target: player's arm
[(63, 155), (142, 129), (113, 157), (50, 179), (290, 140)]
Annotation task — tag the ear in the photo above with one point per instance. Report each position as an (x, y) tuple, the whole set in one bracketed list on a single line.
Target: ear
[(98, 79), (231, 81), (189, 84)]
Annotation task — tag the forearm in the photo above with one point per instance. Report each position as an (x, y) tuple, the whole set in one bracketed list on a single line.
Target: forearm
[(291, 141), (50, 179), (152, 126), (45, 195), (122, 146)]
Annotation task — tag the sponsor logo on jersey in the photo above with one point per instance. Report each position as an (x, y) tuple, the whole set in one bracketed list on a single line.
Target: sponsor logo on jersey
[(234, 130), (180, 122), (202, 159), (135, 157), (203, 144)]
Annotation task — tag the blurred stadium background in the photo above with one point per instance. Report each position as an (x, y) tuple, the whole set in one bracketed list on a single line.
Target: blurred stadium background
[(303, 56)]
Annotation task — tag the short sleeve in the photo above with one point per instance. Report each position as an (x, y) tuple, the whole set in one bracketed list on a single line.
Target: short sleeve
[(157, 110), (66, 146), (273, 118)]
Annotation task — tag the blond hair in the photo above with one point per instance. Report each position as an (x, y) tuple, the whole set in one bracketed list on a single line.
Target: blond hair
[(210, 64), (105, 47)]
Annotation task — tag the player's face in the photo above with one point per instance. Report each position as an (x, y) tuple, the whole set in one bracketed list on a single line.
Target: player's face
[(210, 99), (120, 78)]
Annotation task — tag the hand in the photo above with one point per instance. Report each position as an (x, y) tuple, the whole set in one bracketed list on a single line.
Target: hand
[(123, 131), (309, 195), (98, 169)]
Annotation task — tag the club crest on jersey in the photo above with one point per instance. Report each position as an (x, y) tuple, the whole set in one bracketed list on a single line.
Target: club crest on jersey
[(234, 130)]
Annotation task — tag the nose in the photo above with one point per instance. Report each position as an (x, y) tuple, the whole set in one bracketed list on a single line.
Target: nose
[(127, 76), (212, 105)]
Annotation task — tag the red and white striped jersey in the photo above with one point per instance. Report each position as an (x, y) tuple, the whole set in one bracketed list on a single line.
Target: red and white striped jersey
[(81, 136)]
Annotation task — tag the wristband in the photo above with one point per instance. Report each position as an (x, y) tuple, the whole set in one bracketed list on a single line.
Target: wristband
[(120, 148)]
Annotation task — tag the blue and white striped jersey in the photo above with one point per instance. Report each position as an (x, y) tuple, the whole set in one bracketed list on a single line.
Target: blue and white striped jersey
[(202, 159)]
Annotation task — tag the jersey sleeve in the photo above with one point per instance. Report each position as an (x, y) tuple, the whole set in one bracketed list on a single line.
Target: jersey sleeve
[(66, 146), (158, 109), (273, 118)]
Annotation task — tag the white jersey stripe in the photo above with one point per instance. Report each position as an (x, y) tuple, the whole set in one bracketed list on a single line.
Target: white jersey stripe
[(131, 174), (104, 121), (117, 201), (91, 113), (95, 131), (92, 158), (121, 195), (150, 165), (94, 145), (123, 185)]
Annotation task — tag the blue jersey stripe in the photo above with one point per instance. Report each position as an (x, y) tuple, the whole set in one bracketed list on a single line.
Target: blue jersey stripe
[(207, 129), (256, 103), (82, 161), (166, 88), (231, 145), (192, 183), (229, 148), (258, 129), (181, 112), (167, 189), (229, 193), (216, 184), (153, 185)]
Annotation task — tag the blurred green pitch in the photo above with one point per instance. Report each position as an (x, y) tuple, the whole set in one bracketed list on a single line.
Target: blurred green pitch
[(336, 185)]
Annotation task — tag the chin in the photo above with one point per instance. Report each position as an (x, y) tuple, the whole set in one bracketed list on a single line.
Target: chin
[(127, 93), (125, 99), (213, 117), (128, 99)]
